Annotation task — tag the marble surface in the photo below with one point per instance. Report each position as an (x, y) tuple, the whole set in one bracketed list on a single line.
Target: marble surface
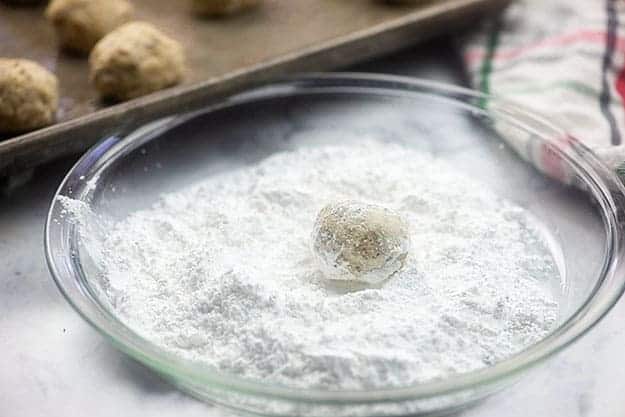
[(53, 364)]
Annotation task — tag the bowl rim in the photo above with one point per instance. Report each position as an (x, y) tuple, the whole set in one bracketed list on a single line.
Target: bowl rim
[(603, 182)]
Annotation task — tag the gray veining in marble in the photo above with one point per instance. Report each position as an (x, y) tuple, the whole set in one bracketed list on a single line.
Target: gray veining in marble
[(53, 364)]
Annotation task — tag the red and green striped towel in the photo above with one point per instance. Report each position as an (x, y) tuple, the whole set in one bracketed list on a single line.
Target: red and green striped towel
[(561, 58)]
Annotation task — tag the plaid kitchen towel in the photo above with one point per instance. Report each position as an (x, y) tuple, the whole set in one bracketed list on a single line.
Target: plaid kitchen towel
[(560, 58)]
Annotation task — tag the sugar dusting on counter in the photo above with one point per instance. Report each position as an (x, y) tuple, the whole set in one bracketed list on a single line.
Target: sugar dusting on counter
[(222, 273)]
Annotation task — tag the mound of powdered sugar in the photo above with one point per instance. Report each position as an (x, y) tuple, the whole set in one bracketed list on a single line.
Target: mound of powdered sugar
[(222, 273)]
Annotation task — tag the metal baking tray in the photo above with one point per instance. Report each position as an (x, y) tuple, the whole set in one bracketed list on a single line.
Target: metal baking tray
[(224, 55)]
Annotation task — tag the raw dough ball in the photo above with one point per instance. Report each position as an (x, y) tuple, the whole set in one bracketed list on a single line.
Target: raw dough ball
[(135, 59), (360, 242), (80, 24), (221, 7), (29, 95)]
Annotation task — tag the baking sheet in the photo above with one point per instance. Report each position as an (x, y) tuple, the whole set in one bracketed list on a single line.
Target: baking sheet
[(224, 55)]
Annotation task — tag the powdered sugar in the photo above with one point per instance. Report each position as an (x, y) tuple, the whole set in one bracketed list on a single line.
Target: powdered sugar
[(222, 273)]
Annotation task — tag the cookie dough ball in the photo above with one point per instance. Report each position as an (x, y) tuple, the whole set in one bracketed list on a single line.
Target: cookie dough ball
[(221, 7), (29, 96), (359, 242), (80, 24), (133, 60)]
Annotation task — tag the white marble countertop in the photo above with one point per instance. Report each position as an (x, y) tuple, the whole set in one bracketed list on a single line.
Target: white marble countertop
[(53, 364)]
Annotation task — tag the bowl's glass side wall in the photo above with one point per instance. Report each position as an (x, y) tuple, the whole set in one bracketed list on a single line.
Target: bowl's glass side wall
[(285, 408)]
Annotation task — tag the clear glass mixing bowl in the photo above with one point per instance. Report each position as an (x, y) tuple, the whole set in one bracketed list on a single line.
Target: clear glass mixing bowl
[(480, 136)]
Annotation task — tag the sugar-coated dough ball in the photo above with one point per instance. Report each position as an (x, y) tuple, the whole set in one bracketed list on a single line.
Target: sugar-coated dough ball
[(360, 242), (80, 24), (29, 95), (221, 7), (135, 59)]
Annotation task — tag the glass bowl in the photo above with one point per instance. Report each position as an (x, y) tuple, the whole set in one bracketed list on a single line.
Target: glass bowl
[(482, 137)]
